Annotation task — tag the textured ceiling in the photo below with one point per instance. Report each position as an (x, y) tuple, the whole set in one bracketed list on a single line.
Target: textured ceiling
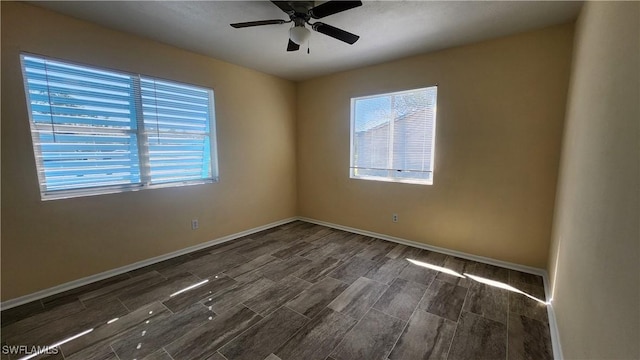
[(388, 29)]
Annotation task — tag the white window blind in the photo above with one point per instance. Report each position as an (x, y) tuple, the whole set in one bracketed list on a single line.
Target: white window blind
[(393, 136), (98, 131), (176, 123)]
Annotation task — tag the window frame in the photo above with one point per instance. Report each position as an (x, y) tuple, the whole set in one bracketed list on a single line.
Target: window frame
[(390, 179), (140, 132)]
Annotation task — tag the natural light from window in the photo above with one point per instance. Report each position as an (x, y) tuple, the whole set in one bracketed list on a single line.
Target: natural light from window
[(393, 136), (97, 131)]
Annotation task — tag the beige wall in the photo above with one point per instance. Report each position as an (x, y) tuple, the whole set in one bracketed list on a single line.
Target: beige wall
[(594, 260), (500, 120), (501, 108), (48, 243)]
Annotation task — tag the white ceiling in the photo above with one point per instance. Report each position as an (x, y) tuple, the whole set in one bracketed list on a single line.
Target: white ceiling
[(388, 29)]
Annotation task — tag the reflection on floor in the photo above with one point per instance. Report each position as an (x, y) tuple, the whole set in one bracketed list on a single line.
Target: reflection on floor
[(297, 291)]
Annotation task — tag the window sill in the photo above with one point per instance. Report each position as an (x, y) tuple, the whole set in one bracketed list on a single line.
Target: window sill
[(394, 180)]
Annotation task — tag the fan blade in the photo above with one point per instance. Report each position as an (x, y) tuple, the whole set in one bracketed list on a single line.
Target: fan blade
[(332, 7), (292, 46), (258, 23), (334, 32), (284, 6)]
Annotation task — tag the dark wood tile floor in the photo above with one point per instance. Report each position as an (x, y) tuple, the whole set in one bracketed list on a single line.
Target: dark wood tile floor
[(295, 292)]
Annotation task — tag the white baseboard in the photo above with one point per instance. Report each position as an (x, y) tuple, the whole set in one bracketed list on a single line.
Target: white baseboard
[(555, 340), (482, 259), (553, 327), (555, 334), (140, 264)]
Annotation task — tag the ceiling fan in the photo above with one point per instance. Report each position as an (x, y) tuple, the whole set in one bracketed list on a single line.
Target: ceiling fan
[(300, 13)]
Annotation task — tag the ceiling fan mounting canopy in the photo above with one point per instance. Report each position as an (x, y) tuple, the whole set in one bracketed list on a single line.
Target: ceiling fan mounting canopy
[(301, 13)]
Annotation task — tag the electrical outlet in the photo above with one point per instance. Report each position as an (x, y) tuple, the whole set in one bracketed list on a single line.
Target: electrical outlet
[(194, 224), (394, 217)]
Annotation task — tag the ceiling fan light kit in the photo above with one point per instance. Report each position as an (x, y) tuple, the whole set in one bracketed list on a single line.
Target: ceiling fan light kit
[(300, 13), (299, 34)]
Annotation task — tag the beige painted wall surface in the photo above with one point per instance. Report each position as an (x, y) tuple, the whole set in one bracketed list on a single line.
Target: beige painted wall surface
[(500, 118), (596, 284), (49, 243)]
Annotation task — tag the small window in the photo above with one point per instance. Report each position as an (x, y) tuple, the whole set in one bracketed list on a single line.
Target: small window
[(99, 131), (393, 136)]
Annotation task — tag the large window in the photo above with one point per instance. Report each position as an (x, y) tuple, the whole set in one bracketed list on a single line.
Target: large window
[(392, 136), (98, 131)]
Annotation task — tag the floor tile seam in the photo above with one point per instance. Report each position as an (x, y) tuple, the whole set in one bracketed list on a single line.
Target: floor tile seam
[(515, 284), (511, 271), (39, 325), (113, 351), (205, 323), (414, 282), (486, 318), (256, 324), (116, 292), (254, 310), (367, 247), (377, 281), (166, 277), (157, 286), (77, 296), (342, 281), (351, 257), (129, 311), (530, 318), (164, 306), (499, 291), (370, 307), (60, 351), (321, 237), (200, 277), (166, 352), (110, 340), (308, 320), (199, 301), (210, 308), (289, 308), (417, 304), (4, 326), (284, 247), (183, 335), (320, 244), (347, 333), (405, 325), (82, 301), (455, 331), (317, 259), (41, 301), (386, 313), (310, 284), (253, 271)]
